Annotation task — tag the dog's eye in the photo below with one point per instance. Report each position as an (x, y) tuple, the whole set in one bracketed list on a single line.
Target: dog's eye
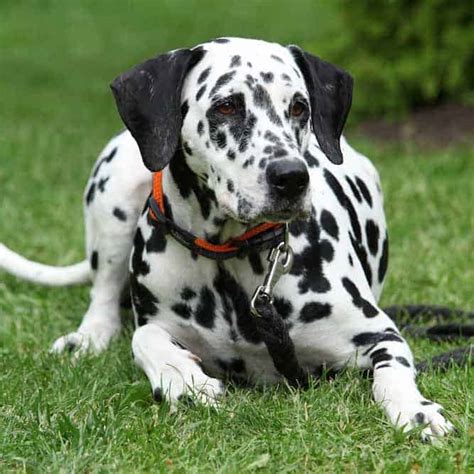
[(298, 108), (226, 108)]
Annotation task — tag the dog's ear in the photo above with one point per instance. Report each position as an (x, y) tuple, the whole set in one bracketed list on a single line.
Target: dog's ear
[(330, 93), (148, 99)]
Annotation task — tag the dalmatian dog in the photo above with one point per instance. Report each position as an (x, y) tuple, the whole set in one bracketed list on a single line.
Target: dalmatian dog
[(239, 133)]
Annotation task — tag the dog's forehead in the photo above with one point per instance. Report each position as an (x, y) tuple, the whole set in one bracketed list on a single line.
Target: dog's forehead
[(238, 59)]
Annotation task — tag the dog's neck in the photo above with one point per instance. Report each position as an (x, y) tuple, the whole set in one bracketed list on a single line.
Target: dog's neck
[(193, 206)]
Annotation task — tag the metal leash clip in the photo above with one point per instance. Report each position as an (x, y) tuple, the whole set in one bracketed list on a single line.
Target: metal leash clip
[(280, 261)]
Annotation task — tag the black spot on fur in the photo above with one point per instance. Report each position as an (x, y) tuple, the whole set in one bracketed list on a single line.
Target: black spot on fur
[(105, 159), (279, 152), (221, 82), (371, 338), (95, 260), (372, 233), (206, 308), (188, 182), (262, 99), (244, 134), (276, 58), (221, 40), (200, 127), (367, 308), (187, 293), (271, 137), (326, 250), (402, 361), (231, 155), (235, 300), (364, 190), (362, 256), (329, 224), (248, 162), (187, 149), (268, 150), (221, 139), (200, 92), (101, 184), (311, 160), (230, 186), (345, 202), (351, 262), (182, 309), (383, 264), (426, 403), (139, 266), (119, 214), (267, 77), (157, 240), (314, 311), (354, 189), (145, 303), (297, 227), (309, 263), (90, 194), (184, 109), (235, 61), (380, 355), (262, 163), (286, 77), (204, 75), (244, 206)]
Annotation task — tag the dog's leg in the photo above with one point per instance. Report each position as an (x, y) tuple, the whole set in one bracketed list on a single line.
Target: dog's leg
[(114, 198), (102, 320), (394, 387), (173, 371)]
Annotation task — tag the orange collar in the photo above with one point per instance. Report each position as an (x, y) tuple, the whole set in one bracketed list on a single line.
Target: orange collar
[(260, 237)]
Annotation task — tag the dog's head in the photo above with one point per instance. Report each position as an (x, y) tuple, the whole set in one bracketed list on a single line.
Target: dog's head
[(241, 112)]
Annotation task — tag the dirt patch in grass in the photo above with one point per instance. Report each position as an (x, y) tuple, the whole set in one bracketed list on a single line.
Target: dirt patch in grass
[(430, 127)]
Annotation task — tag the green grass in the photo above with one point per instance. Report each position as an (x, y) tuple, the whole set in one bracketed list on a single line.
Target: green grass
[(56, 59)]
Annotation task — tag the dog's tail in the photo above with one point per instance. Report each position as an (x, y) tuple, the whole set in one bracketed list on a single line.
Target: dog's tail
[(48, 275)]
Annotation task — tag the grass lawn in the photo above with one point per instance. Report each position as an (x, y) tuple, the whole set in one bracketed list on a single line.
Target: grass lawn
[(56, 59)]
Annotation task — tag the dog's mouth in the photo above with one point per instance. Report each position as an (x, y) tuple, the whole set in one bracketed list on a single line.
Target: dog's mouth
[(286, 215), (275, 212)]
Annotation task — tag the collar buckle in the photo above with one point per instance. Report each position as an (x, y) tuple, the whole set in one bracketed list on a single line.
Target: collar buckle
[(280, 260)]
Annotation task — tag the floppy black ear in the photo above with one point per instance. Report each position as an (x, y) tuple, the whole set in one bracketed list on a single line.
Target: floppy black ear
[(148, 100), (330, 93)]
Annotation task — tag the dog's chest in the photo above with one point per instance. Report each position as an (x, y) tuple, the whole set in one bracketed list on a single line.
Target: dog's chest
[(209, 314)]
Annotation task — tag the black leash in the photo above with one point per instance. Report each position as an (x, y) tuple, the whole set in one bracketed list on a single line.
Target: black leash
[(408, 318), (270, 325)]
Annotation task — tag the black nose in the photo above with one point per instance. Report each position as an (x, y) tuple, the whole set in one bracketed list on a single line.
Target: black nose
[(288, 178)]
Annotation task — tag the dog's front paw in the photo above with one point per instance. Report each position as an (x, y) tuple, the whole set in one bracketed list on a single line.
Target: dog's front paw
[(176, 386), (90, 338), (411, 414)]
